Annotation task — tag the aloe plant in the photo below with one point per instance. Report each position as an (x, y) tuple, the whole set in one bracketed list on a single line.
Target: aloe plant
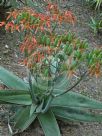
[(46, 107), (51, 60)]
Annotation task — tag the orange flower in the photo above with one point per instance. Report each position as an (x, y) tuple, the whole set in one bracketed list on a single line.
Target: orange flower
[(34, 40), (2, 24), (25, 61), (69, 17), (17, 28), (9, 25), (95, 70), (71, 73), (48, 24)]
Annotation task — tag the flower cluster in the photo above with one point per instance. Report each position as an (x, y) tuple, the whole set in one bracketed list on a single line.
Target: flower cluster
[(94, 59), (47, 50), (29, 19)]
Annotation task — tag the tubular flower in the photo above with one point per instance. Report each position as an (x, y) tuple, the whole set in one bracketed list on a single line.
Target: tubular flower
[(2, 24)]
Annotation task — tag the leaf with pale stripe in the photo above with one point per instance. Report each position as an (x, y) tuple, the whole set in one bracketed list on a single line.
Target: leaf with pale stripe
[(75, 114), (11, 80), (23, 119), (72, 99), (49, 124), (15, 97)]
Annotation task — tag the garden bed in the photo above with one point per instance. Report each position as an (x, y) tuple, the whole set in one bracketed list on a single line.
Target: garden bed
[(9, 59)]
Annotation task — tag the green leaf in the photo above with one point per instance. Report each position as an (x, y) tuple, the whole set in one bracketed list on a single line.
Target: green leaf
[(76, 114), (23, 119), (49, 124), (11, 80), (33, 108), (72, 99), (98, 4), (39, 108), (15, 97), (61, 83)]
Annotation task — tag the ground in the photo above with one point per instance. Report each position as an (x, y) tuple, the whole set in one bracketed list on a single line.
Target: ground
[(93, 88)]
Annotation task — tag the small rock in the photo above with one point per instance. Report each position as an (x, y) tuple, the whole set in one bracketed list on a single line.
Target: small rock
[(6, 52), (6, 46), (16, 55)]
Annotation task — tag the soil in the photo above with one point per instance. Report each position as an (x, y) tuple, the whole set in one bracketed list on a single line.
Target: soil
[(9, 55)]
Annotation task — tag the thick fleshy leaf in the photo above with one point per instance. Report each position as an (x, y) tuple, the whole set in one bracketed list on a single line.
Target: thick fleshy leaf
[(49, 124), (23, 119), (11, 80), (15, 97), (61, 83), (32, 108), (72, 99), (76, 114)]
